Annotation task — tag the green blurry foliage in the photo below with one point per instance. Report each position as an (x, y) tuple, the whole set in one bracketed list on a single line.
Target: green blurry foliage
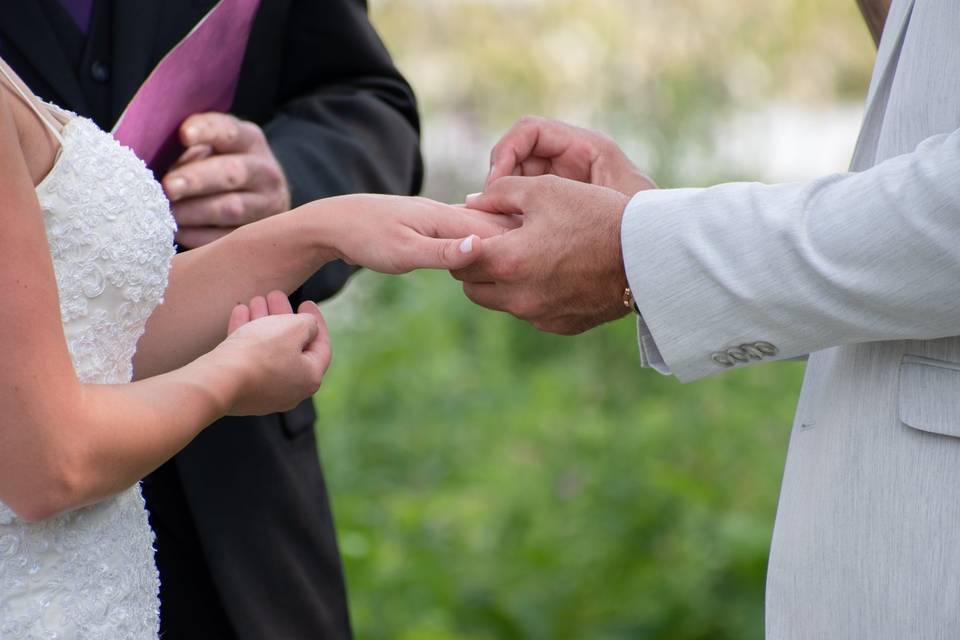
[(493, 482)]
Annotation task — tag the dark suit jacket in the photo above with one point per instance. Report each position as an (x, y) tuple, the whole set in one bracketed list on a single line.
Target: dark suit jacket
[(246, 546)]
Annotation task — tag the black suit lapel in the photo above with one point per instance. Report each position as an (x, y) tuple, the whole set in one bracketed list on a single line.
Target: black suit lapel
[(26, 27), (134, 34)]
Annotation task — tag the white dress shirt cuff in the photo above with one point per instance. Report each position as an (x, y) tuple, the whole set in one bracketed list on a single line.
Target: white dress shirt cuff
[(649, 352), (650, 356)]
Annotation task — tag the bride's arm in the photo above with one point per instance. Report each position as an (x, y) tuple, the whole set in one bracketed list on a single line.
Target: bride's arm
[(384, 233), (64, 444)]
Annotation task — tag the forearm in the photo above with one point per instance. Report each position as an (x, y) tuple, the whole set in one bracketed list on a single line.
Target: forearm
[(94, 441), (847, 259), (278, 253)]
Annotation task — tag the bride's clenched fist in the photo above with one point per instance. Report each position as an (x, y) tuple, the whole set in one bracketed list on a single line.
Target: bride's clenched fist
[(279, 357)]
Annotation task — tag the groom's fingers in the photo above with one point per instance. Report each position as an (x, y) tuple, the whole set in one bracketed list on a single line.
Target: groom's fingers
[(490, 223), (497, 297), (502, 261), (510, 195), (527, 147)]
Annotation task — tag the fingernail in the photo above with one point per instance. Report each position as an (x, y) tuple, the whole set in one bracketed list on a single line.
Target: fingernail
[(175, 187), (192, 132), (473, 196), (467, 245)]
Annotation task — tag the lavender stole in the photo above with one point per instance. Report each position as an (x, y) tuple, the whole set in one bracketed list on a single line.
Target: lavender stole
[(199, 74)]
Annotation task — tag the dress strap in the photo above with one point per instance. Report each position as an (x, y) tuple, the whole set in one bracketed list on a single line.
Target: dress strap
[(31, 101)]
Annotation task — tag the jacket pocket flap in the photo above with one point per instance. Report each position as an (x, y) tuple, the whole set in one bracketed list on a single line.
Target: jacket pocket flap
[(929, 397)]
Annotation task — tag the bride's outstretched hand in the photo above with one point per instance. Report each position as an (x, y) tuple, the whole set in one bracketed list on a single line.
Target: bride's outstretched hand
[(392, 234)]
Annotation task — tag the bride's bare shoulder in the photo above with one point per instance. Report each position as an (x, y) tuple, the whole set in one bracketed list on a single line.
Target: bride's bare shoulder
[(22, 132)]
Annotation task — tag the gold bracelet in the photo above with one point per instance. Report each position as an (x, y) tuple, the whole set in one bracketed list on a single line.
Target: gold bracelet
[(628, 300)]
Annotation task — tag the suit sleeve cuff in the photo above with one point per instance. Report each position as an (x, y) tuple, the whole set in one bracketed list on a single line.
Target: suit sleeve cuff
[(650, 356)]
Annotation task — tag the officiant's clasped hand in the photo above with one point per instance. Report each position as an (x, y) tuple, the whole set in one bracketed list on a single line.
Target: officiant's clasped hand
[(227, 177)]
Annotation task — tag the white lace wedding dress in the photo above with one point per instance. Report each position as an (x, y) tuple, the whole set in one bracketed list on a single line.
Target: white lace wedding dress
[(90, 573)]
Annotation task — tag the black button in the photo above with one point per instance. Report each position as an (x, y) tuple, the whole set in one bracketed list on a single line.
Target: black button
[(100, 72)]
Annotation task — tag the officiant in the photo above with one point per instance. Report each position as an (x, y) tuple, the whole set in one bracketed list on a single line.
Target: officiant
[(245, 541)]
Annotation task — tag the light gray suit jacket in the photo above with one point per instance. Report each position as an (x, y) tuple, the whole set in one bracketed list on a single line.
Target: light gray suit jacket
[(861, 271)]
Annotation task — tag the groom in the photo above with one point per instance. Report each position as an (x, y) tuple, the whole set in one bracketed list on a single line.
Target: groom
[(859, 270), (245, 540)]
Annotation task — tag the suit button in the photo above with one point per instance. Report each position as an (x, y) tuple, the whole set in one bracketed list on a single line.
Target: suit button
[(723, 359), (766, 348), (752, 351), (100, 72), (738, 354)]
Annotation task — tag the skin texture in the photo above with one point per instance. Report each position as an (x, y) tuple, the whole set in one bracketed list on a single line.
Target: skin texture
[(64, 444), (537, 147), (226, 178), (562, 270)]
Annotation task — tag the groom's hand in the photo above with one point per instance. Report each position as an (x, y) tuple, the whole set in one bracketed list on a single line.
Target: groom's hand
[(227, 177), (563, 269), (535, 147)]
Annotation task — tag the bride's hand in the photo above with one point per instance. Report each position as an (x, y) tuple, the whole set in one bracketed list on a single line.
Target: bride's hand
[(392, 234), (280, 356)]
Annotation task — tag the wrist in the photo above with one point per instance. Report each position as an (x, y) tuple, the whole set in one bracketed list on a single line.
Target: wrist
[(625, 302), (222, 375), (318, 223)]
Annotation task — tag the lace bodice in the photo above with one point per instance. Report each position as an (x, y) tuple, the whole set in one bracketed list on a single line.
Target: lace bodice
[(90, 573)]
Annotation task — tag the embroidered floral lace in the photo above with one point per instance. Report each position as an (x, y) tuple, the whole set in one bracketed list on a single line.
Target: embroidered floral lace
[(90, 573)]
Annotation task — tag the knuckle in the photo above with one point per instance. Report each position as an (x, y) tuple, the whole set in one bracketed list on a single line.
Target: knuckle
[(542, 326), (252, 131), (234, 173), (508, 268), (443, 252), (230, 132), (554, 326), (471, 291), (519, 307), (279, 201), (526, 307), (548, 181), (232, 209)]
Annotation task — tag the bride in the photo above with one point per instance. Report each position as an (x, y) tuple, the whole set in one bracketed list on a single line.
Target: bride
[(86, 259)]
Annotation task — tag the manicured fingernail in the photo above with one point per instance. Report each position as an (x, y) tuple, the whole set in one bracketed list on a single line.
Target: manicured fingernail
[(473, 196), (467, 245)]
